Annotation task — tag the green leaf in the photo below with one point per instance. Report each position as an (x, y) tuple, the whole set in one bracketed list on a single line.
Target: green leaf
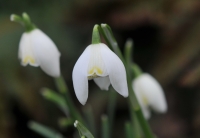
[(60, 83), (56, 98), (110, 40), (63, 89), (89, 116), (65, 122), (109, 37), (129, 130), (136, 71), (111, 109), (105, 127), (43, 130)]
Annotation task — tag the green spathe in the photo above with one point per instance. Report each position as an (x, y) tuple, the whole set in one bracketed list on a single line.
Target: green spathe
[(24, 20), (96, 39), (83, 131)]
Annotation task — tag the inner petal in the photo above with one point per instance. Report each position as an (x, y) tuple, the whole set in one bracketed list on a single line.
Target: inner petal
[(143, 95), (96, 70), (145, 100), (96, 67), (28, 59)]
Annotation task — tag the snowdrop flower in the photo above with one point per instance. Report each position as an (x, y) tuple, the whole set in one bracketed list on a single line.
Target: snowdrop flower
[(149, 94), (37, 49), (102, 65)]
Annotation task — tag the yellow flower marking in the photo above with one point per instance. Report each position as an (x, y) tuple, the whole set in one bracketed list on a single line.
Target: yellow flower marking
[(28, 59), (94, 72), (145, 100)]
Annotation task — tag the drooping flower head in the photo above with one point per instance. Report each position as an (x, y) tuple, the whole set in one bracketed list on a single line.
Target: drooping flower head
[(102, 65), (149, 94), (36, 48)]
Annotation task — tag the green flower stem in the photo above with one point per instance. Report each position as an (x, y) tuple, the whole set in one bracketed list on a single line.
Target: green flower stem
[(60, 84), (96, 39), (111, 109), (136, 108), (83, 131), (105, 127), (136, 70), (90, 119), (135, 124), (107, 33), (134, 103), (136, 127), (128, 57), (129, 130), (144, 125), (112, 43), (43, 130), (128, 54), (63, 89)]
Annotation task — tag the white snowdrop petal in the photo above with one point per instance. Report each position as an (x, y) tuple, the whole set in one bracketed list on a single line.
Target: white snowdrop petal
[(79, 76), (157, 99), (26, 53), (154, 92), (142, 99), (96, 63), (102, 82), (146, 112), (47, 53), (116, 70)]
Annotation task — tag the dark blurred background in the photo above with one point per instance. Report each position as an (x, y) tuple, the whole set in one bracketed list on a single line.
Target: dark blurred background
[(166, 36)]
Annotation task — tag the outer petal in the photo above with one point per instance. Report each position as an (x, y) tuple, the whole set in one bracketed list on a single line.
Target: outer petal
[(26, 53), (116, 70), (137, 87), (154, 92), (46, 52), (102, 82), (79, 76)]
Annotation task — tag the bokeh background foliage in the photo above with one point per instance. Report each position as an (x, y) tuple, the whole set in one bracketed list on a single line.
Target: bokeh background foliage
[(166, 44)]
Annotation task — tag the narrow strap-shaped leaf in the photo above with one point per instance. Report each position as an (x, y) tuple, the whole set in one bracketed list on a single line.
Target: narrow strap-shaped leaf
[(129, 130), (43, 130), (90, 119), (56, 98), (105, 127)]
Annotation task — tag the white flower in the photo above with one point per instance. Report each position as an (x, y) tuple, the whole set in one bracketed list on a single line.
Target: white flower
[(149, 94), (98, 62), (37, 49)]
